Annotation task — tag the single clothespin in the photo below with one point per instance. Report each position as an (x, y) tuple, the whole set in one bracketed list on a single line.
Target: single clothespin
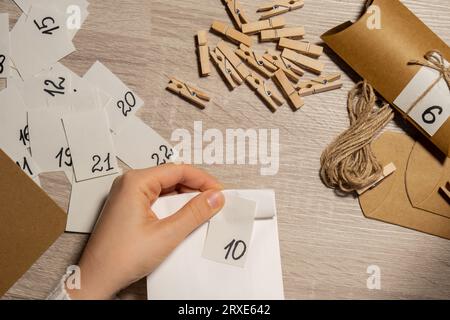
[(292, 71), (255, 61), (236, 12), (275, 34), (302, 47), (257, 26), (228, 72), (231, 33), (279, 7), (265, 91), (320, 84), (193, 95), (387, 171), (295, 100), (233, 59), (203, 52), (445, 191), (303, 61)]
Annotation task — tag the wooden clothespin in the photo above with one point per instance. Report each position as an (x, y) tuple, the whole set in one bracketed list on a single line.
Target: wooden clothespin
[(231, 33), (445, 191), (236, 12), (292, 71), (228, 72), (257, 26), (265, 91), (275, 34), (203, 52), (320, 84), (295, 100), (233, 59), (193, 95), (257, 62), (387, 171), (279, 7), (303, 61), (302, 47)]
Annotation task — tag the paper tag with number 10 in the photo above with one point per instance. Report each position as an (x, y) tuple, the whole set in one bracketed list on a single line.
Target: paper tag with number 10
[(230, 232)]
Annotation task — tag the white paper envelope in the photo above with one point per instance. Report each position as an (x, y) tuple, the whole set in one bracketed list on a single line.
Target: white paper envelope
[(185, 274)]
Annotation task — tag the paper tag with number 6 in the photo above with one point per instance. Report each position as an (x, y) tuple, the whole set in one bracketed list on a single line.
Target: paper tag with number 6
[(230, 232)]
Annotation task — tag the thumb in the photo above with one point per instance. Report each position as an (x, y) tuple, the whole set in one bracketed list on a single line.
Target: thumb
[(196, 212)]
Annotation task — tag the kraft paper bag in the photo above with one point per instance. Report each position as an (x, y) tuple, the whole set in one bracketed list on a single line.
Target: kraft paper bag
[(389, 201), (381, 56), (29, 222)]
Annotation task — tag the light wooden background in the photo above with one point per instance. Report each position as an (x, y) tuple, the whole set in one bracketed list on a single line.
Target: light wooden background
[(326, 243)]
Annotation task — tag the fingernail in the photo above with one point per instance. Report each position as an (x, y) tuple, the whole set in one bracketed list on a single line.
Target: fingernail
[(215, 199)]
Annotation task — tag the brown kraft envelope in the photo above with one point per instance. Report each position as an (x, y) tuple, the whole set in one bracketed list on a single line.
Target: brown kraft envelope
[(389, 201), (29, 222), (381, 56)]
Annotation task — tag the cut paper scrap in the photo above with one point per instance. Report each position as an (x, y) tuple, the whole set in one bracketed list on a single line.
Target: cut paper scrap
[(48, 141), (90, 144), (140, 147), (124, 102), (86, 202), (4, 46), (389, 201), (230, 232), (425, 174), (39, 40), (186, 275)]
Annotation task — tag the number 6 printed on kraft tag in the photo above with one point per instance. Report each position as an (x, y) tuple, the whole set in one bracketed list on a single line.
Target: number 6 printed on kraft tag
[(230, 232)]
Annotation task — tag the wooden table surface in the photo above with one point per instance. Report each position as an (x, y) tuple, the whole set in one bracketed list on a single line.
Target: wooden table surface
[(326, 243)]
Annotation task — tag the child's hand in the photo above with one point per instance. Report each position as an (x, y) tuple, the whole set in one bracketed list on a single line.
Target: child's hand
[(129, 241)]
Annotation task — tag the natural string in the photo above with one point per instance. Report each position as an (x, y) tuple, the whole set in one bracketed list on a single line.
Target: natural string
[(348, 163)]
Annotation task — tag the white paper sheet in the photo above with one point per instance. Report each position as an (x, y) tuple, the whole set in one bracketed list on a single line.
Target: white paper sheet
[(185, 274), (86, 202), (39, 40), (139, 146), (4, 45), (230, 232), (90, 144), (48, 140), (124, 102)]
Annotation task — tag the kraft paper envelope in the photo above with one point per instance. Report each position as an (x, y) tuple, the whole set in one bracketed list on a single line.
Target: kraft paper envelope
[(425, 174), (389, 200), (185, 274), (29, 222), (381, 57)]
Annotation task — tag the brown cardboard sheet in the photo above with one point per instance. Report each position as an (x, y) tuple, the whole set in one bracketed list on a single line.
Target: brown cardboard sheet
[(29, 222), (381, 56), (389, 201)]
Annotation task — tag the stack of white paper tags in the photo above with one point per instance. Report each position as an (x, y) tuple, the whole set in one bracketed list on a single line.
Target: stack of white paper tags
[(53, 120)]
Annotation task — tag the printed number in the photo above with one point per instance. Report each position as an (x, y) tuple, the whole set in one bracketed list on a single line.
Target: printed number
[(235, 245), (2, 60), (24, 135), (25, 166), (64, 153), (429, 117), (58, 88), (130, 102), (97, 167), (167, 154), (46, 28)]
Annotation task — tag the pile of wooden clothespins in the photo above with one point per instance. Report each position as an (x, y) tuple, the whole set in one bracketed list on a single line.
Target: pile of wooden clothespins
[(285, 67)]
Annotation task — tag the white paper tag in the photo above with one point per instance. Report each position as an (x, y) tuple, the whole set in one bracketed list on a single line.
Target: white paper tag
[(47, 139), (230, 232), (86, 202), (124, 102), (140, 147), (90, 144), (4, 45), (434, 109)]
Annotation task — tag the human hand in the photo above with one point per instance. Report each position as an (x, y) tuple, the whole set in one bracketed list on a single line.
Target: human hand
[(129, 241)]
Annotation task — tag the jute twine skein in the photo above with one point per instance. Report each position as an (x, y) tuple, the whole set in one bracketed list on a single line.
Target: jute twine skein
[(348, 163)]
